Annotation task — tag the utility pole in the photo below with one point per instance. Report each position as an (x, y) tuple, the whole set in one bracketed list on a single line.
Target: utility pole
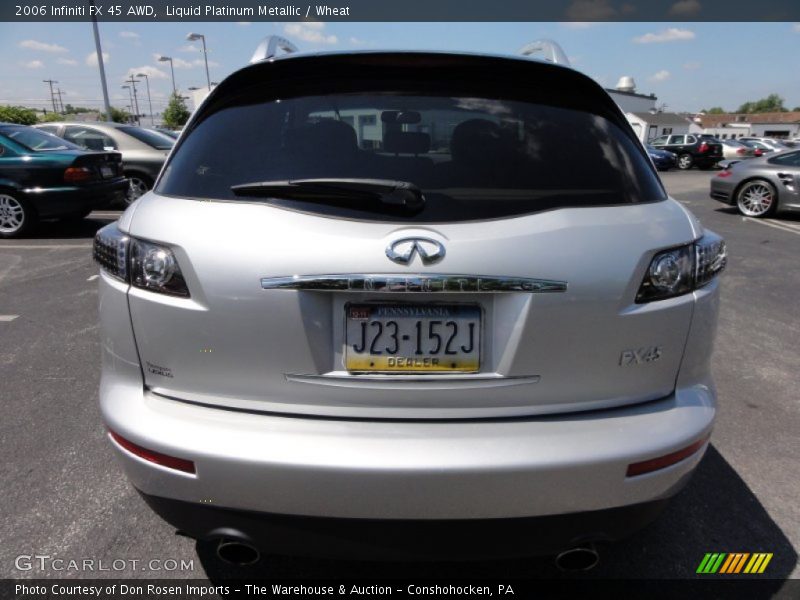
[(61, 100), (100, 64), (147, 81), (52, 95), (132, 81)]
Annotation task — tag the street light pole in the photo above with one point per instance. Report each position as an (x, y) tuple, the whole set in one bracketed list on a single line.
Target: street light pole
[(52, 94), (172, 70), (192, 37), (100, 64), (149, 103)]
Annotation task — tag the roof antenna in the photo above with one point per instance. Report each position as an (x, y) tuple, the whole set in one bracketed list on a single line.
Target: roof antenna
[(551, 50), (269, 46)]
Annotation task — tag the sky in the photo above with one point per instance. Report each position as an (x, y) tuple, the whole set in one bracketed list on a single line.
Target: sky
[(689, 66)]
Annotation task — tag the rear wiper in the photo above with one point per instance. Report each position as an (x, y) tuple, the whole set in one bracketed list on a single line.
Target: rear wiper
[(395, 193)]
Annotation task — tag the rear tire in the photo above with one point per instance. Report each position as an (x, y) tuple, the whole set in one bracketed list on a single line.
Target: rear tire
[(685, 161), (16, 216), (138, 186), (757, 198)]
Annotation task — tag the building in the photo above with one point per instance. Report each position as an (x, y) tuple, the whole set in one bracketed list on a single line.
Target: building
[(628, 99), (649, 125), (782, 125)]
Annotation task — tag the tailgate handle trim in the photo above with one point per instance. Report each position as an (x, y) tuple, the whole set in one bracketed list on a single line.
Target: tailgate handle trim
[(417, 283)]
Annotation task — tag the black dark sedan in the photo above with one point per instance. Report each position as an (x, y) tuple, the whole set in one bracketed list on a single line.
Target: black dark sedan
[(45, 177), (664, 160)]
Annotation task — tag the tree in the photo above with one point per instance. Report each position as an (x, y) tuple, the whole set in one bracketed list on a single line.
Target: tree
[(176, 114), (118, 115), (18, 114), (716, 110), (772, 103), (51, 117), (796, 109)]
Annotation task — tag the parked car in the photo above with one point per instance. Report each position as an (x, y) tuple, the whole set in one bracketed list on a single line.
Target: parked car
[(733, 149), (762, 186), (767, 144), (691, 150), (314, 331), (168, 132), (662, 159), (45, 177), (143, 150)]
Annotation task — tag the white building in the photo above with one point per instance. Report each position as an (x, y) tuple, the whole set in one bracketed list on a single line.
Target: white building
[(649, 125)]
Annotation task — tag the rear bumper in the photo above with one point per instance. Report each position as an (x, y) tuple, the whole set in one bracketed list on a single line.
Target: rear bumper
[(404, 469), (722, 190), (397, 540), (63, 201)]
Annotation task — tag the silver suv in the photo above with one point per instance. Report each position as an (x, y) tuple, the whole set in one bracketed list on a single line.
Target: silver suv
[(392, 303)]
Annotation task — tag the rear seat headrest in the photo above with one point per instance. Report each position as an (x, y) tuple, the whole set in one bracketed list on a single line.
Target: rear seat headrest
[(406, 142)]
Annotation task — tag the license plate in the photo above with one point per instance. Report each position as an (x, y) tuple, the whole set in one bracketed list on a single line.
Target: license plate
[(106, 172), (411, 338)]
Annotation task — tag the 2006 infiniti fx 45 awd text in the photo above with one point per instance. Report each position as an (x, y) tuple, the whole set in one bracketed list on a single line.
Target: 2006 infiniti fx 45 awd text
[(408, 305)]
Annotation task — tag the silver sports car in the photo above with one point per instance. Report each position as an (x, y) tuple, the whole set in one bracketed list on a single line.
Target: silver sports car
[(391, 303), (762, 186)]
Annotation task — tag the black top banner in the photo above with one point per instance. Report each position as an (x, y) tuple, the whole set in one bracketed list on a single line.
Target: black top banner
[(400, 10)]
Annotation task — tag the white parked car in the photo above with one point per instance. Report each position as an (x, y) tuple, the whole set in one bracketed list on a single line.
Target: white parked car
[(383, 295)]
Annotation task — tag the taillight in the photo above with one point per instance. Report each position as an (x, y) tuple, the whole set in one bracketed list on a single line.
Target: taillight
[(703, 147), (758, 152), (682, 270), (662, 462), (145, 265), (741, 151), (79, 174), (724, 173)]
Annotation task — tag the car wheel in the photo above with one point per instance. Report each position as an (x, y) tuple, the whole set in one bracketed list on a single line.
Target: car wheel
[(138, 185), (685, 161), (16, 216), (757, 199)]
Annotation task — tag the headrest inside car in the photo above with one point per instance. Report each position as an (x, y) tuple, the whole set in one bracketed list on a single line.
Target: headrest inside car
[(406, 142)]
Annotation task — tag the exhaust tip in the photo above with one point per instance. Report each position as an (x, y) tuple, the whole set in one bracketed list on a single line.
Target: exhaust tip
[(580, 558), (237, 553)]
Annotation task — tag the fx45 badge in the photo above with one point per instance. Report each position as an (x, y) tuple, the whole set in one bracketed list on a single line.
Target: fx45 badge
[(639, 356)]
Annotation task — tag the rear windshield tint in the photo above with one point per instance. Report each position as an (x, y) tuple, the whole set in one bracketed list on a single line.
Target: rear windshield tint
[(33, 139), (472, 157), (154, 139)]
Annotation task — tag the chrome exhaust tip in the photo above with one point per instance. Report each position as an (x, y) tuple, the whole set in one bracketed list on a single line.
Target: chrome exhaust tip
[(579, 558), (237, 553)]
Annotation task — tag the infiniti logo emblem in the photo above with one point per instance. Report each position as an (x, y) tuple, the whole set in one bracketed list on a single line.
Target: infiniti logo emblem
[(402, 251)]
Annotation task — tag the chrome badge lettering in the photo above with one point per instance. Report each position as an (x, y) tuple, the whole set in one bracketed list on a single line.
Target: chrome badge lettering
[(639, 356)]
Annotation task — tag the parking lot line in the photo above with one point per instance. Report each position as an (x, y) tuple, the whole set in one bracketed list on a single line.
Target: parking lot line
[(794, 226), (774, 225), (92, 277), (7, 318)]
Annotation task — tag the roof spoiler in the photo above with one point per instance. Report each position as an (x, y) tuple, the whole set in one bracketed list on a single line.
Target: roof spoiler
[(551, 51), (269, 46)]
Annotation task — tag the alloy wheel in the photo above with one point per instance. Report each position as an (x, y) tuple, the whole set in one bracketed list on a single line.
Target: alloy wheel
[(685, 161), (12, 214), (137, 187), (756, 199)]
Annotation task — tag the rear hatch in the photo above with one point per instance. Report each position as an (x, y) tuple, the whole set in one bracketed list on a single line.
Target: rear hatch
[(509, 291)]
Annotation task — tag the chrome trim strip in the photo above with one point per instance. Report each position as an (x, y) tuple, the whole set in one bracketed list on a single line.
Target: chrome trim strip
[(416, 283), (415, 381)]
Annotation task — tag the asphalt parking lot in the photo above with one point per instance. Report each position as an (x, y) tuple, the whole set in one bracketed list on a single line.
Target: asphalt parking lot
[(64, 495)]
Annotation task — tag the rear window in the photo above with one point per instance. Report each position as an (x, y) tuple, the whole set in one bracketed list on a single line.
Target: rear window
[(35, 140), (472, 157), (155, 139)]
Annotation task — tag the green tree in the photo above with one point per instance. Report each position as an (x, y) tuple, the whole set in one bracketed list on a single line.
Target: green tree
[(176, 114), (51, 117), (772, 103), (118, 115), (716, 110), (796, 109), (18, 114)]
